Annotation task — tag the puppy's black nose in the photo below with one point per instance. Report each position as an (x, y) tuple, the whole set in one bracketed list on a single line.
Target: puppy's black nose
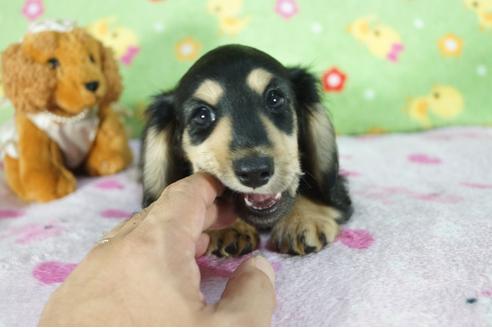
[(92, 86), (254, 171)]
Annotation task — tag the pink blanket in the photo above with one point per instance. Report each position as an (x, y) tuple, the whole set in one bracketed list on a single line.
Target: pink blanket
[(418, 250)]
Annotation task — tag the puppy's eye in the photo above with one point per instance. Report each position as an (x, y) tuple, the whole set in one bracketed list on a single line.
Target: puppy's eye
[(53, 62), (202, 117), (91, 58), (275, 99)]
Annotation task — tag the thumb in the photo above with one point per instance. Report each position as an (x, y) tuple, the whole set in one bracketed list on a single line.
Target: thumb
[(249, 296)]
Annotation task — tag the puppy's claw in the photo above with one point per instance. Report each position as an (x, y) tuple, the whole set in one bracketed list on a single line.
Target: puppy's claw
[(322, 239), (309, 249), (231, 248), (308, 229), (237, 240)]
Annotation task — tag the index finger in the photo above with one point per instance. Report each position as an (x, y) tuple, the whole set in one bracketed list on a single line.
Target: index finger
[(185, 203)]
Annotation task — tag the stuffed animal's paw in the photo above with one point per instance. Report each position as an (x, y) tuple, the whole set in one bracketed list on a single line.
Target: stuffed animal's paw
[(45, 187), (107, 164), (309, 228), (66, 184), (239, 239)]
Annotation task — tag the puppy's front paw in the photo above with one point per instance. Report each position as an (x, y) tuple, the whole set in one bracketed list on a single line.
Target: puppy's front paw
[(236, 240), (308, 228)]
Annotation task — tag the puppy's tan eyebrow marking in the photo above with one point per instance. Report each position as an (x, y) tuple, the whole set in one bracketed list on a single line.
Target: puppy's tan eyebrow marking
[(258, 79), (209, 91)]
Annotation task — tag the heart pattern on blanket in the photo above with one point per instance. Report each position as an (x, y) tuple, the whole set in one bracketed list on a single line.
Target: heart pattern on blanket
[(424, 159), (52, 272), (475, 185), (225, 267), (114, 213), (349, 173), (10, 213), (356, 238), (108, 184), (31, 232)]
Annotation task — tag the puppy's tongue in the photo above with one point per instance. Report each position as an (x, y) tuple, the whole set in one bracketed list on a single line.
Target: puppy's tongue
[(261, 202)]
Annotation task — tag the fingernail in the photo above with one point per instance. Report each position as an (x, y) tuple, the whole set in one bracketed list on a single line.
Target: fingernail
[(262, 264)]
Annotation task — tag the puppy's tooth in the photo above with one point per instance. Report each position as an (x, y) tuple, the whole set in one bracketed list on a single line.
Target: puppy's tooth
[(248, 202)]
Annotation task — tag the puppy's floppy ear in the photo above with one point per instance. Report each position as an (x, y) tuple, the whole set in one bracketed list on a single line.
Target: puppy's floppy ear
[(28, 84), (317, 145), (162, 159)]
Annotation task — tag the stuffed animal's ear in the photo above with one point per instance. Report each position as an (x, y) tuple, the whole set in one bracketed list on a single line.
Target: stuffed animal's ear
[(317, 145), (162, 160), (112, 75), (28, 84)]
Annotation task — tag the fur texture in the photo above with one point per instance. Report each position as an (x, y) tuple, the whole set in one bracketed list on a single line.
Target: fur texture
[(62, 73), (260, 128)]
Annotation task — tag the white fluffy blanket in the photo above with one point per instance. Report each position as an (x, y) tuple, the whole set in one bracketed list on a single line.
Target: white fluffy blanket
[(418, 250)]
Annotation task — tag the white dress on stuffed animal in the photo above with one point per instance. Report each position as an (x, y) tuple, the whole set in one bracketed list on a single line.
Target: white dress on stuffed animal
[(74, 135)]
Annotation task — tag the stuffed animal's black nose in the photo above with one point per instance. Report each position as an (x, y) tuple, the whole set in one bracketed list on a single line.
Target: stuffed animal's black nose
[(254, 171), (92, 86)]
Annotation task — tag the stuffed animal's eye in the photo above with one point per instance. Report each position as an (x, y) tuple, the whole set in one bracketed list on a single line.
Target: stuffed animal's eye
[(275, 99), (91, 58), (53, 62), (203, 117)]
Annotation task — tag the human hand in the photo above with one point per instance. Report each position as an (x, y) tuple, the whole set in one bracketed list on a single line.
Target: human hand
[(145, 272)]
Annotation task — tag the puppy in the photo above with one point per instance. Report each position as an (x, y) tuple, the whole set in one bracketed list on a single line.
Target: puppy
[(260, 128)]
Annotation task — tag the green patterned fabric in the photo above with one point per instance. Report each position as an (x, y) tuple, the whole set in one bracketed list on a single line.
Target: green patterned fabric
[(383, 65)]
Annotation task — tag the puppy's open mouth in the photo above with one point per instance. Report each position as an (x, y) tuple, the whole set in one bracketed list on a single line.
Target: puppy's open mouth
[(261, 203), (261, 210)]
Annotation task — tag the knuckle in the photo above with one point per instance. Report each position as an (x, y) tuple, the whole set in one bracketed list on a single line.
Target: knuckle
[(176, 187)]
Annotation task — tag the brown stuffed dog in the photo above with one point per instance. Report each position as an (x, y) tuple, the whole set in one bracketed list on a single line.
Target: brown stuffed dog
[(61, 82)]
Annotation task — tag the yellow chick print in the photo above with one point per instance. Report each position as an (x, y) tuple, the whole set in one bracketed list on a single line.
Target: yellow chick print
[(483, 10), (443, 101), (229, 14), (122, 40), (382, 41)]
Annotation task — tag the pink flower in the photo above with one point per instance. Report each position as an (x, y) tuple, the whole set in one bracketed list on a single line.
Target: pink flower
[(286, 8), (130, 54), (333, 80), (33, 9)]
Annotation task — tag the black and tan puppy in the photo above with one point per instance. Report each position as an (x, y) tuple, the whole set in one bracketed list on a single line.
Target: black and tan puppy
[(261, 129)]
